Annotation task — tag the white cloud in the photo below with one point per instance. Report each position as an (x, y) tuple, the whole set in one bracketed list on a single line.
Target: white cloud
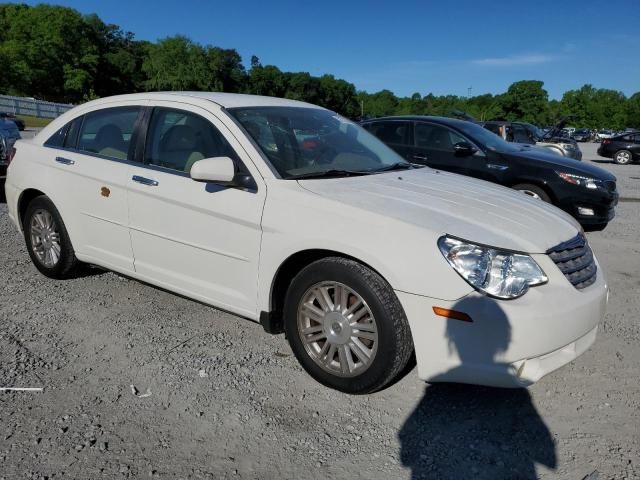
[(529, 59)]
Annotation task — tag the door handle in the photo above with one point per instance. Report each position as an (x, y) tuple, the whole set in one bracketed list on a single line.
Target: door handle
[(493, 166), (145, 181), (65, 161), (420, 157)]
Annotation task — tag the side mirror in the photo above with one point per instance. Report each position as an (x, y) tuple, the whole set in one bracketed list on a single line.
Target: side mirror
[(213, 170), (464, 149)]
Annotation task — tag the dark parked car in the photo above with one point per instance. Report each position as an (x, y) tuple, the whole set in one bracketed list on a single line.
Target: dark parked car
[(18, 121), (623, 149), (582, 135), (8, 135), (585, 191)]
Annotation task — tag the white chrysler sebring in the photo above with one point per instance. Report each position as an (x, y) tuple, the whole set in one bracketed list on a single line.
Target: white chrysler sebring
[(288, 214)]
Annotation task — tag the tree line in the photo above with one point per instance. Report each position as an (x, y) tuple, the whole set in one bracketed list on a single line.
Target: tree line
[(55, 53)]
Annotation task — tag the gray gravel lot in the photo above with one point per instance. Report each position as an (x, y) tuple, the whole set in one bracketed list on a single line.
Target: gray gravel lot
[(229, 401)]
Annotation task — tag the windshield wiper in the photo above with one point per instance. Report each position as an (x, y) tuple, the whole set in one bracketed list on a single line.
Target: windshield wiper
[(398, 166), (333, 173)]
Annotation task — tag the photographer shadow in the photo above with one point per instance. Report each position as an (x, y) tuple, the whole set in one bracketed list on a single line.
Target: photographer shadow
[(460, 431)]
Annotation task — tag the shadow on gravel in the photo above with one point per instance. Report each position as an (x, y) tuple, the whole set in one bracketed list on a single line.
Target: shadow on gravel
[(462, 431), (598, 160), (3, 198)]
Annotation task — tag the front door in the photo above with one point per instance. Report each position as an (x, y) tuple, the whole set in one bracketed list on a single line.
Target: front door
[(199, 239), (435, 144)]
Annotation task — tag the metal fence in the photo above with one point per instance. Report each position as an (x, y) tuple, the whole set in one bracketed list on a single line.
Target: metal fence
[(32, 107)]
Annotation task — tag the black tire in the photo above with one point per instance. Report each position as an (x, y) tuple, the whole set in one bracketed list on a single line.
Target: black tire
[(67, 263), (533, 190), (395, 345), (623, 157)]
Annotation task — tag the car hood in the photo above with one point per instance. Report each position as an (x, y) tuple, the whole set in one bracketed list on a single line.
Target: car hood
[(566, 164), (442, 202)]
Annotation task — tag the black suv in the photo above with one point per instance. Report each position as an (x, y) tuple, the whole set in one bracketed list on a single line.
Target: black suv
[(623, 149), (585, 191)]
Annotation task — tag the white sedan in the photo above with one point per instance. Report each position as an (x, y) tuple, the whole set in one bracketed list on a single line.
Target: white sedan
[(288, 214)]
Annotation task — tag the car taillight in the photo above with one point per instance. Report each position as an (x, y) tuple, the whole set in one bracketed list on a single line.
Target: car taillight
[(12, 153), (605, 141)]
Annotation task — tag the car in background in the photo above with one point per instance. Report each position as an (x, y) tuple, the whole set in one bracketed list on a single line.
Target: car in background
[(528, 134), (289, 214), (18, 121), (582, 135), (585, 191), (605, 134), (623, 149), (9, 134)]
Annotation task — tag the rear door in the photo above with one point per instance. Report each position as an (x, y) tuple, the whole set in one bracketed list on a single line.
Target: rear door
[(88, 164), (198, 239), (395, 134)]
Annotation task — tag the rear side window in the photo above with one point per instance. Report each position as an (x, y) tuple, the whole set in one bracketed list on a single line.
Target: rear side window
[(391, 133), (108, 132), (71, 137), (177, 139), (57, 139)]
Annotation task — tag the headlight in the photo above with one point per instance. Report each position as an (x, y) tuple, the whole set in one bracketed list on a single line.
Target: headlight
[(497, 273), (568, 146), (587, 182)]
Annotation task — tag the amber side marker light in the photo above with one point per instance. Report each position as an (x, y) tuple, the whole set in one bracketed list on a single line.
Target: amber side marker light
[(445, 312)]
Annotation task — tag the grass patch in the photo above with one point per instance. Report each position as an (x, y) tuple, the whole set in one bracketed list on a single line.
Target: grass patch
[(35, 122)]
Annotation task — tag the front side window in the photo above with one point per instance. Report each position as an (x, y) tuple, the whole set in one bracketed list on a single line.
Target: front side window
[(108, 132), (177, 139), (436, 137), (300, 141)]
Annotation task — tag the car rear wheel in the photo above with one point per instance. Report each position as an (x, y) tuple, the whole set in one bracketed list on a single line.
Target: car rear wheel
[(533, 191), (346, 326), (47, 239), (622, 157)]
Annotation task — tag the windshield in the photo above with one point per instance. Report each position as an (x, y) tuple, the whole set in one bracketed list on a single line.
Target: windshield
[(301, 142), (488, 139)]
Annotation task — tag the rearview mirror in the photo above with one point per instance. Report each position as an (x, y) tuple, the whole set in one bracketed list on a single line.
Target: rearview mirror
[(464, 149), (213, 170)]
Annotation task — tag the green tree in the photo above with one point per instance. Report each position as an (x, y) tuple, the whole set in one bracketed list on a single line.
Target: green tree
[(50, 51), (176, 63), (525, 100)]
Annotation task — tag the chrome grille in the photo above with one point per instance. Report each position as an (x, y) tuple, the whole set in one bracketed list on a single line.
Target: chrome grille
[(575, 260)]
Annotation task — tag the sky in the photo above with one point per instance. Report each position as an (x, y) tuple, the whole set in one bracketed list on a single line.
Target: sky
[(442, 47)]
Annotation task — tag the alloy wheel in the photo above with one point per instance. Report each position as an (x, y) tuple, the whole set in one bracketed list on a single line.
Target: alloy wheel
[(45, 238), (337, 328)]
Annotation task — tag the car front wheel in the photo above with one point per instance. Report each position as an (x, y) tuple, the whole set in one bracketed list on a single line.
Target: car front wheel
[(346, 326), (47, 239), (533, 191)]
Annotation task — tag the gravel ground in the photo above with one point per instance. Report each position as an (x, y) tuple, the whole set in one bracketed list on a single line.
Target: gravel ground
[(142, 383)]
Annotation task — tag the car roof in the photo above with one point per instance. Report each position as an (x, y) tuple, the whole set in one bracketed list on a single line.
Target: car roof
[(453, 122), (225, 100)]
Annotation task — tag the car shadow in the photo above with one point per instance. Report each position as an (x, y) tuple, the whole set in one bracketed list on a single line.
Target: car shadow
[(460, 431), (600, 160), (3, 198)]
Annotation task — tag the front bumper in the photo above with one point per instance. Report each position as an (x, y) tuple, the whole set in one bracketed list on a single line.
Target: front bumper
[(509, 343)]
